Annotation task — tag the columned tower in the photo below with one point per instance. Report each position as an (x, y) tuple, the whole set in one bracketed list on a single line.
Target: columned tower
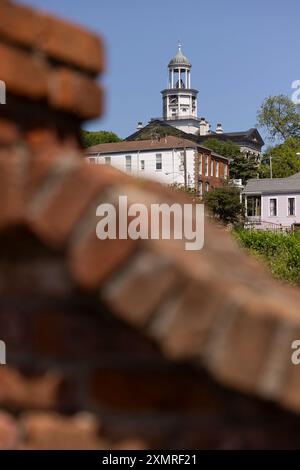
[(179, 99)]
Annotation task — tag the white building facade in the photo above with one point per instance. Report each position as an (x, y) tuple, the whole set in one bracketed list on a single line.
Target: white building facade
[(170, 161)]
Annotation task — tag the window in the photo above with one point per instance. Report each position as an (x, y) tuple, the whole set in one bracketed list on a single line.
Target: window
[(200, 188), (158, 166), (107, 160), (128, 163), (211, 167), (217, 169), (273, 207), (291, 206), (253, 204), (142, 165), (225, 171), (206, 165), (200, 164), (92, 160), (206, 187)]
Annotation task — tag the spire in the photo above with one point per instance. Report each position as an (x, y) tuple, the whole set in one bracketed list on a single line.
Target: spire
[(179, 47)]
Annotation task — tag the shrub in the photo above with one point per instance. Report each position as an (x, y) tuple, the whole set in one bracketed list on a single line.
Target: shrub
[(224, 204), (281, 251)]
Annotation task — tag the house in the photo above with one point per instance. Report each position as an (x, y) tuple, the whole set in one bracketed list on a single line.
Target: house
[(170, 160), (180, 114), (273, 202)]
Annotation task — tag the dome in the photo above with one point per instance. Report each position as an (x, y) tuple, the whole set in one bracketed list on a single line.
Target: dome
[(179, 59)]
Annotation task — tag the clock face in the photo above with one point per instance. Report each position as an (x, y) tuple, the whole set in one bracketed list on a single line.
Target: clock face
[(173, 99)]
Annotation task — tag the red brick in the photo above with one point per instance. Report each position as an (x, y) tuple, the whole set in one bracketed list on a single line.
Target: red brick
[(53, 431), (72, 92), (17, 390), (12, 167), (133, 298), (19, 24), (183, 325), (9, 132), (23, 74), (58, 215), (41, 166), (10, 432), (92, 261), (72, 44), (59, 39)]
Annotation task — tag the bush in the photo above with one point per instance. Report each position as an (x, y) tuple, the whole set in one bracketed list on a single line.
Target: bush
[(224, 204), (281, 251)]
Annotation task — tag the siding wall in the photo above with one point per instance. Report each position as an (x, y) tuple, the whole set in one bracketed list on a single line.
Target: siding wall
[(282, 209)]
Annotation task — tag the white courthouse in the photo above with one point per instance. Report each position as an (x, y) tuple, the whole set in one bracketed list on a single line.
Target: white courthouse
[(169, 160)]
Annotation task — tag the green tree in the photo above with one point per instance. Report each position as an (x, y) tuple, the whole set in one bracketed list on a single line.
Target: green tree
[(224, 204), (279, 116), (285, 161), (225, 148), (244, 167), (241, 166), (90, 138)]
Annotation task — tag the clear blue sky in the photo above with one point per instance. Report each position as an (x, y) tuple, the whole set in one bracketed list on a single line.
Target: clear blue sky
[(241, 52)]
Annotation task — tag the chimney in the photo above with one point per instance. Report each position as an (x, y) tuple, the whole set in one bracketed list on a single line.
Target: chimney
[(219, 129), (139, 125), (203, 126)]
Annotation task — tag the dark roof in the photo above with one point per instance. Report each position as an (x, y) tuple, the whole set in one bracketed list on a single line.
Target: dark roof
[(249, 138), (273, 185)]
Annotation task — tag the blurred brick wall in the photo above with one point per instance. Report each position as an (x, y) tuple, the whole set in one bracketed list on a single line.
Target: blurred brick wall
[(119, 344)]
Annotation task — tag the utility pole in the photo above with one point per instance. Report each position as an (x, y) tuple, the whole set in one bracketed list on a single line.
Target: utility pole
[(271, 168), (184, 167)]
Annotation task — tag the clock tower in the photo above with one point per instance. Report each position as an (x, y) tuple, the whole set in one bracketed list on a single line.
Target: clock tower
[(180, 99)]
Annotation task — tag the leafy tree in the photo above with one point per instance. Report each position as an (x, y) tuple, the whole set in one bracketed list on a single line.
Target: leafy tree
[(224, 204), (90, 138), (241, 165), (244, 167), (226, 148), (279, 116), (285, 161)]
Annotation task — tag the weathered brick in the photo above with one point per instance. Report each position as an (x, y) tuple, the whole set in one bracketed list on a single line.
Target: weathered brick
[(57, 38), (19, 391), (75, 191), (10, 432), (132, 296), (72, 44), (240, 340), (72, 92), (92, 261), (53, 431), (9, 132), (12, 169), (22, 73), (19, 23), (183, 322)]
